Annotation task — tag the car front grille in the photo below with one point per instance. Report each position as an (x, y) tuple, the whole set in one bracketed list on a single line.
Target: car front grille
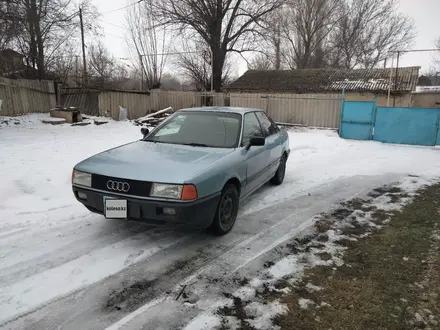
[(121, 186)]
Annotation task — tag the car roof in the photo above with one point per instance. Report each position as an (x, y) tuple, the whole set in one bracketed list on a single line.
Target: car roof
[(238, 110)]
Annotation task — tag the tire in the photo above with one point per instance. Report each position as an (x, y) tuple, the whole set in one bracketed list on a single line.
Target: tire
[(278, 178), (224, 221)]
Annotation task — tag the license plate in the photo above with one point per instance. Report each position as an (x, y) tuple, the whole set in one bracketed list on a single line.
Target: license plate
[(115, 208)]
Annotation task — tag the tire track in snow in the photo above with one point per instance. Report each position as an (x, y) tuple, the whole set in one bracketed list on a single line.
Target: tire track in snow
[(66, 252), (39, 289)]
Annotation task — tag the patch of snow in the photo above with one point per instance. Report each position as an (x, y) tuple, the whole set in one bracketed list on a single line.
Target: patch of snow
[(231, 323), (263, 313), (285, 290), (312, 288), (436, 237), (204, 321), (245, 293), (53, 119), (305, 303)]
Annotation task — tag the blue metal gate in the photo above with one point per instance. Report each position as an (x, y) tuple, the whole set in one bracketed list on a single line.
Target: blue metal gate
[(416, 126), (357, 120), (365, 121)]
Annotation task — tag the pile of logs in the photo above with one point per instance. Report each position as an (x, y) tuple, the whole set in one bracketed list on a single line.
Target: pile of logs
[(155, 118)]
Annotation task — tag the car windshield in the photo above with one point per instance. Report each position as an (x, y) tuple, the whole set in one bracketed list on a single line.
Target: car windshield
[(200, 128)]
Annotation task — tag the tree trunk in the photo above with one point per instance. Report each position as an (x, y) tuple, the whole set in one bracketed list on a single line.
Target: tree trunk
[(217, 68), (39, 41), (277, 42), (31, 17)]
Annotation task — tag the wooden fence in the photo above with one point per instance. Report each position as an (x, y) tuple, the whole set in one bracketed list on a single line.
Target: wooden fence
[(26, 96)]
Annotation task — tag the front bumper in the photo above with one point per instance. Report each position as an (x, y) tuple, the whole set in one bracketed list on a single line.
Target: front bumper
[(197, 214)]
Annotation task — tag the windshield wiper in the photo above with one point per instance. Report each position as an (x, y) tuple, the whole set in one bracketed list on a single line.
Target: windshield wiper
[(195, 144)]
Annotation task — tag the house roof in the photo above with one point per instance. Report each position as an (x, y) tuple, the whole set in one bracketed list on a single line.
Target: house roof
[(10, 53), (326, 80)]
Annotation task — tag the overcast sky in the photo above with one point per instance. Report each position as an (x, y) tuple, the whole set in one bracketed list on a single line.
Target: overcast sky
[(426, 15)]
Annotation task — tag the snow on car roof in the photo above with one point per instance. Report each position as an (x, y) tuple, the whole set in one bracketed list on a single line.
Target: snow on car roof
[(222, 109)]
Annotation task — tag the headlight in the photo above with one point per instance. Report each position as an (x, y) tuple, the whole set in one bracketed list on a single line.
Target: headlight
[(166, 190), (81, 178), (185, 192)]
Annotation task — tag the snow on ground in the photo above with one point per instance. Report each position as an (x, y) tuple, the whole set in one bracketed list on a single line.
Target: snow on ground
[(320, 156), (50, 245)]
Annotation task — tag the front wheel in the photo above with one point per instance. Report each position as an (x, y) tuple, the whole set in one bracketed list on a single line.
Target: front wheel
[(227, 211), (278, 178)]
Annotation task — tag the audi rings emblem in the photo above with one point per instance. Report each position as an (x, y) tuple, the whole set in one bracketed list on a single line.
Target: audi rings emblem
[(118, 186)]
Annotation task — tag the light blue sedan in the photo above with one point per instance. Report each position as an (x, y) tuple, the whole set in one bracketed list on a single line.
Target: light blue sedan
[(193, 169)]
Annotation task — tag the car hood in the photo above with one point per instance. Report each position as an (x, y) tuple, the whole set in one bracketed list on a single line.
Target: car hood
[(149, 161)]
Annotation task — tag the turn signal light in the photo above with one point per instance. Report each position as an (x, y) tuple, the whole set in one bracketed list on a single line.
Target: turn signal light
[(189, 192)]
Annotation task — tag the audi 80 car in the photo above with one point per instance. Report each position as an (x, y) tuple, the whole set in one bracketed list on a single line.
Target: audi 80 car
[(193, 169)]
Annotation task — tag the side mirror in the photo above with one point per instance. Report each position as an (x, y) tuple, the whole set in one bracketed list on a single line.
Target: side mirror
[(256, 141), (145, 131)]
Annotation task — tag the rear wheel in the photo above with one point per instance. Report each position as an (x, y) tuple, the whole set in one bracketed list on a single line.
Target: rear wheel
[(278, 178), (227, 211)]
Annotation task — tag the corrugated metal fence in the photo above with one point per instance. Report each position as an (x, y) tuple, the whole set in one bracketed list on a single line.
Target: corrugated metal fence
[(26, 96), (320, 110)]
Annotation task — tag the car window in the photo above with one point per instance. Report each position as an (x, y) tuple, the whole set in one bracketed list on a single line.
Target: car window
[(173, 127), (269, 127), (200, 128), (251, 127)]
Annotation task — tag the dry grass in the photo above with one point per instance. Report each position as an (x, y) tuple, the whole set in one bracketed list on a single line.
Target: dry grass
[(375, 288)]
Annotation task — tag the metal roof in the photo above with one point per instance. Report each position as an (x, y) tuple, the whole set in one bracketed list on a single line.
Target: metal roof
[(327, 80)]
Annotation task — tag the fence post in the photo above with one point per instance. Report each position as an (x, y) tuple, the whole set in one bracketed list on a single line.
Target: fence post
[(342, 111), (436, 128), (373, 120)]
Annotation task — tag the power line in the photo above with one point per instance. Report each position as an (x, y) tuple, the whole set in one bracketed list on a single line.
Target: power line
[(116, 25), (127, 6), (113, 35)]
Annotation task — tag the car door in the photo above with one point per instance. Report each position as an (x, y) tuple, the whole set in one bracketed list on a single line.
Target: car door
[(256, 156), (273, 142)]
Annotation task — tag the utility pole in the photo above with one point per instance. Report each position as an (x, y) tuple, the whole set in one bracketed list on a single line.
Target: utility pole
[(76, 67), (83, 47)]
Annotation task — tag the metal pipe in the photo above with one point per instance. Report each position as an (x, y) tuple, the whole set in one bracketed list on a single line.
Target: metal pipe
[(389, 83), (395, 80)]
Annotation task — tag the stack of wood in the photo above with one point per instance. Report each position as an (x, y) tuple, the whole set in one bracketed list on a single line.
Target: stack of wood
[(153, 119)]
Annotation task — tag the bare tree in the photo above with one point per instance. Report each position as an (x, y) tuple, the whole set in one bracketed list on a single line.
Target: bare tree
[(44, 26), (148, 39), (261, 62), (225, 26), (271, 51), (437, 55), (101, 64), (367, 31), (9, 23), (196, 65), (308, 24)]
